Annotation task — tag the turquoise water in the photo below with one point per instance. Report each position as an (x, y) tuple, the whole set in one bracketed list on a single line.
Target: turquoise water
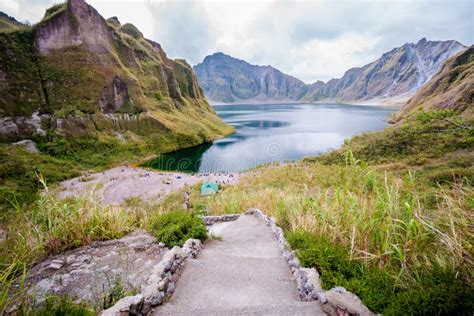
[(268, 133)]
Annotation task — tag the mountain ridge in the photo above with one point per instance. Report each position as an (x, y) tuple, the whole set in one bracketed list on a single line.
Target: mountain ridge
[(397, 74), (238, 80), (452, 88)]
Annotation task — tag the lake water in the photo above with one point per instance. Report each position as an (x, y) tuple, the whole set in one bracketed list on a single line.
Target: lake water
[(268, 133)]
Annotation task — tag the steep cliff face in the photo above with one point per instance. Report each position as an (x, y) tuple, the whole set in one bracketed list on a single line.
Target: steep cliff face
[(227, 79), (451, 88), (75, 24), (398, 72), (74, 69)]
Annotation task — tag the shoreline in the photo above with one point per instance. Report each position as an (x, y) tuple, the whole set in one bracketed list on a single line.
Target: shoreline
[(119, 184), (371, 103)]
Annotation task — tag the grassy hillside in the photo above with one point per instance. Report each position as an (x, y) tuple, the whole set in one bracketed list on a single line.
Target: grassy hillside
[(9, 24), (113, 97)]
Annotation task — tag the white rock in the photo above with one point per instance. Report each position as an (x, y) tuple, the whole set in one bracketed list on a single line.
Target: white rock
[(125, 306), (28, 144)]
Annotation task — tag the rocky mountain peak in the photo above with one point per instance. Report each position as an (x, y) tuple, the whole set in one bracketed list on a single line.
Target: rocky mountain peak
[(76, 24), (114, 21), (9, 23), (228, 79), (397, 73), (422, 41), (451, 88)]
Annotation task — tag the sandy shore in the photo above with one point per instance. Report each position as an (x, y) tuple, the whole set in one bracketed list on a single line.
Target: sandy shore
[(115, 185)]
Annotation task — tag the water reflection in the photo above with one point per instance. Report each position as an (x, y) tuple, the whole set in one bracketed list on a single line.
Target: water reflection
[(187, 160), (266, 133)]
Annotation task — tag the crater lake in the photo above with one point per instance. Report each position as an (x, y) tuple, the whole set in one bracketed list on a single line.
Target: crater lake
[(267, 133)]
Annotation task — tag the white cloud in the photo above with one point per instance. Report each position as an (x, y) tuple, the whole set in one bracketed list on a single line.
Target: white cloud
[(310, 40)]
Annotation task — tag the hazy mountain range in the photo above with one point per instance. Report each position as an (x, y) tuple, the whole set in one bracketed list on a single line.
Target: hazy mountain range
[(396, 74)]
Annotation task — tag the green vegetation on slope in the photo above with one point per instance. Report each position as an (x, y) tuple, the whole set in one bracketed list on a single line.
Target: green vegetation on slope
[(10, 24), (175, 227), (436, 144), (21, 94), (61, 158)]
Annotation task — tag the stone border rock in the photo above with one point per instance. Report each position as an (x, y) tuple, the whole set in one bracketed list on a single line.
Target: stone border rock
[(337, 301), (160, 284), (210, 220)]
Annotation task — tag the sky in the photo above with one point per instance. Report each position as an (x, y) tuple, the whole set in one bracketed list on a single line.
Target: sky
[(310, 40)]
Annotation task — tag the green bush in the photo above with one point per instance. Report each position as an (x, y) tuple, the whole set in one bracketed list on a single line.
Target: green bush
[(59, 306), (331, 261), (175, 227), (437, 291)]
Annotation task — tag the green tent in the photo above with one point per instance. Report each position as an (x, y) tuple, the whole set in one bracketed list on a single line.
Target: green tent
[(209, 188)]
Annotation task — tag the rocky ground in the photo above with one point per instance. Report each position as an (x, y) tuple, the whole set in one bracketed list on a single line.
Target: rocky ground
[(92, 272), (116, 185)]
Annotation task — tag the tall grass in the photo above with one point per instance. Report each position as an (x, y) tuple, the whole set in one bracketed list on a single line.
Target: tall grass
[(53, 225), (384, 221)]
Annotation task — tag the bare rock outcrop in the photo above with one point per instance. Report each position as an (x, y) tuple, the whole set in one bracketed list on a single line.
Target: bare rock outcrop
[(114, 96), (79, 24), (452, 88), (28, 144), (340, 302), (160, 284), (90, 273)]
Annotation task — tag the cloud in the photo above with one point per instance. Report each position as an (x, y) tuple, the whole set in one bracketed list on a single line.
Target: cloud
[(26, 10), (184, 29), (311, 40)]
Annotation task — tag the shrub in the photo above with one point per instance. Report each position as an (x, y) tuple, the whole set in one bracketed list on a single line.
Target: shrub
[(437, 291), (440, 292), (332, 261), (175, 227), (58, 306)]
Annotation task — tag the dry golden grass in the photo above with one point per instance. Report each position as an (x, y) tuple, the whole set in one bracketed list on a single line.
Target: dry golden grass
[(384, 220)]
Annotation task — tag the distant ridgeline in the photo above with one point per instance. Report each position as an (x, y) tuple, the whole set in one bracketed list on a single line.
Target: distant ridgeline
[(396, 74), (75, 73), (452, 88)]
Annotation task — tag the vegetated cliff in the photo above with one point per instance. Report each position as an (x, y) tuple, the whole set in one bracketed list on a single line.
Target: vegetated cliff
[(399, 72), (451, 88), (76, 74), (396, 74), (227, 79)]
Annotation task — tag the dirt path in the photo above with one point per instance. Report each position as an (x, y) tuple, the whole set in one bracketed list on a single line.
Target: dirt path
[(242, 274), (115, 185)]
